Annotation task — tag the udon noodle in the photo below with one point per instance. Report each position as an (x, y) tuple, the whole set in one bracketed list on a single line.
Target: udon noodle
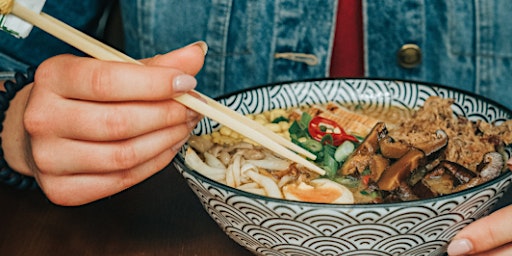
[(369, 157)]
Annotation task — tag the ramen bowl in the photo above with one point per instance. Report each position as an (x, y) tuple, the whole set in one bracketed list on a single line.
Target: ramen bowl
[(268, 226)]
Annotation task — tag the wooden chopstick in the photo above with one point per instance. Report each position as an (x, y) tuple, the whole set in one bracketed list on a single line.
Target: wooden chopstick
[(108, 53), (211, 108)]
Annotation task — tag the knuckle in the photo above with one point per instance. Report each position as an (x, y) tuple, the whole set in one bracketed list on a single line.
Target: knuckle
[(35, 122), (117, 124), (43, 160), (125, 157), (99, 81), (56, 190)]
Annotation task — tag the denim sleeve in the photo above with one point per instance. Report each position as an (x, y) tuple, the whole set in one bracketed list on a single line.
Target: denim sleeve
[(18, 54)]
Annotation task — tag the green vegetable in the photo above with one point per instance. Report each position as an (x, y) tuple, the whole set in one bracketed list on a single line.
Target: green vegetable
[(348, 181), (305, 118), (280, 119), (296, 132), (330, 166), (312, 145), (344, 150)]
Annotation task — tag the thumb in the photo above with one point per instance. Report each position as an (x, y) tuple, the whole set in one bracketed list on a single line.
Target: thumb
[(484, 234), (189, 59)]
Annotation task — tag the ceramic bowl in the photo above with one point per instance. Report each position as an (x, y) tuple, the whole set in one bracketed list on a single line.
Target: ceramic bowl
[(267, 226)]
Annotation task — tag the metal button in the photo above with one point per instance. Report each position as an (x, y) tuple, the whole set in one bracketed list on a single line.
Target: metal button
[(409, 56)]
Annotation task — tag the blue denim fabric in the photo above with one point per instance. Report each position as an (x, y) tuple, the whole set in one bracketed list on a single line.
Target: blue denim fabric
[(465, 44), (243, 37), (19, 54)]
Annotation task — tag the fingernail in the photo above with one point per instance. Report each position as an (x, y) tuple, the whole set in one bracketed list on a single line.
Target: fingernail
[(178, 145), (191, 114), (192, 118), (183, 83), (193, 122), (459, 247), (202, 44)]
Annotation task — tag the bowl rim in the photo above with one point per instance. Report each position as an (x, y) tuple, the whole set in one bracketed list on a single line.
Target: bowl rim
[(505, 175), (290, 82)]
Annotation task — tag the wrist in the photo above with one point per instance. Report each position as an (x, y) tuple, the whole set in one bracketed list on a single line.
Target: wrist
[(13, 151), (14, 137)]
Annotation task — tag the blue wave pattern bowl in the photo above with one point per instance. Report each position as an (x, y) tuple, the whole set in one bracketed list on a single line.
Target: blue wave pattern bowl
[(267, 226)]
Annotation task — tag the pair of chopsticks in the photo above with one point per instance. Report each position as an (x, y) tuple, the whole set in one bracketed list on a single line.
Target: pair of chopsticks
[(211, 108)]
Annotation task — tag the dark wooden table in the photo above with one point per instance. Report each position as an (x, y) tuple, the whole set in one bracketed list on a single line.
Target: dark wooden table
[(160, 216)]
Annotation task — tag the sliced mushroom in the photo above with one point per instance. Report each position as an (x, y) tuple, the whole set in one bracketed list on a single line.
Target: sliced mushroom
[(361, 157), (401, 169), (439, 142), (471, 183), (200, 143), (461, 173), (405, 192), (378, 164), (491, 166), (440, 181), (393, 149), (422, 191)]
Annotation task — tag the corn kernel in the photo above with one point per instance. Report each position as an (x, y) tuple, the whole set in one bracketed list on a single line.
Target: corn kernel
[(284, 125), (277, 113), (260, 119), (245, 139), (225, 131), (273, 127), (234, 135)]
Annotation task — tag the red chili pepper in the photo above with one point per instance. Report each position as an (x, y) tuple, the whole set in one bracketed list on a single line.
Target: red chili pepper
[(365, 179), (319, 127)]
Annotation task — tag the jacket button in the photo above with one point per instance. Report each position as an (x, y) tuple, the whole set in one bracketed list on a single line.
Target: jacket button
[(409, 56)]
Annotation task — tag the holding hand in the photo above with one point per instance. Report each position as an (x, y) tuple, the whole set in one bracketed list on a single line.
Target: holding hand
[(89, 129), (490, 235)]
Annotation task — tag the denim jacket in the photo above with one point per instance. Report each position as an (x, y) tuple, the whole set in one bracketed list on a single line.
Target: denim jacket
[(464, 44)]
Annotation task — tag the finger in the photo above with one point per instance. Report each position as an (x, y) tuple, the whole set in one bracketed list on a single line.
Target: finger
[(84, 188), (183, 59), (505, 250), (116, 121), (95, 80), (69, 157), (484, 234), (509, 164)]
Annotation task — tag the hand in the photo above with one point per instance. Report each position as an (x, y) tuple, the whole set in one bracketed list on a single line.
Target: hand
[(94, 128), (490, 235)]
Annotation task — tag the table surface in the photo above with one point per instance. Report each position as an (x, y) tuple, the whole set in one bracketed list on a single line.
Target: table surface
[(160, 216)]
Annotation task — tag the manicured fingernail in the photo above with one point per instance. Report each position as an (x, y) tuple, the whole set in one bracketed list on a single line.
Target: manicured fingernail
[(191, 114), (202, 45), (193, 122), (459, 247), (178, 145), (193, 118), (184, 83)]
